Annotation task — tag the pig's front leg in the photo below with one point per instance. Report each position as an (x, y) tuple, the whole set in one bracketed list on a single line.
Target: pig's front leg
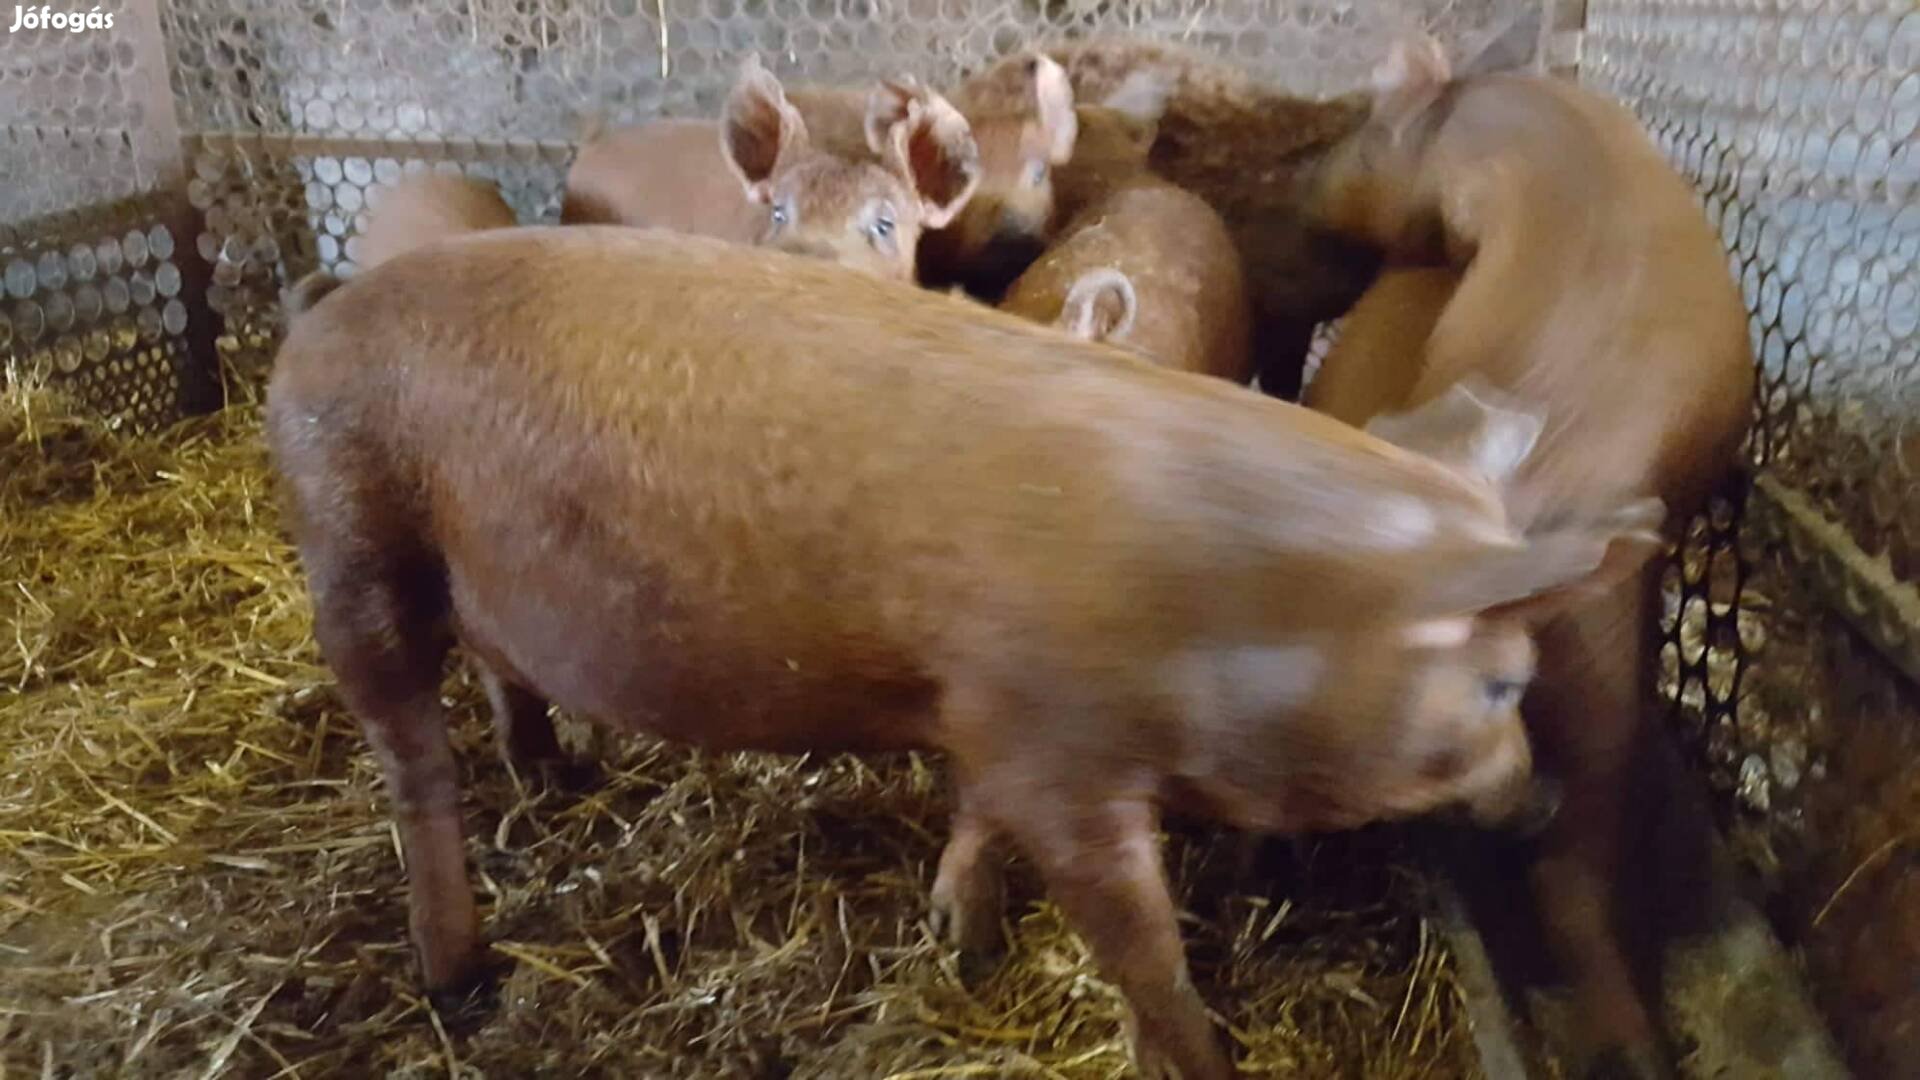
[(1101, 865)]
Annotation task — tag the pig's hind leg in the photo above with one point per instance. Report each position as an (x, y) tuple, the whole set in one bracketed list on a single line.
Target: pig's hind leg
[(379, 611)]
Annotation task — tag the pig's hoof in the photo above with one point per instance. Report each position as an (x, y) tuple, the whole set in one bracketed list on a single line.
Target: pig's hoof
[(975, 968), (977, 939), (465, 1007), (1637, 1062), (973, 930), (571, 775), (1152, 1065), (965, 912), (562, 775)]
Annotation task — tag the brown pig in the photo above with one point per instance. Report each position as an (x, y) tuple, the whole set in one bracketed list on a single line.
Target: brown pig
[(1239, 144), (1025, 135), (1146, 266), (745, 501), (1380, 353), (419, 210), (426, 207), (763, 178), (1576, 273)]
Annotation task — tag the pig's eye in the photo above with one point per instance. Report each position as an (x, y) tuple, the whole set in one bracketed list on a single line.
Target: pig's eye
[(1502, 693), (1036, 173), (880, 228), (781, 214)]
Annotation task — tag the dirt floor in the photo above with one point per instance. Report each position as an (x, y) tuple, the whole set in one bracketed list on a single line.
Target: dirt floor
[(198, 876)]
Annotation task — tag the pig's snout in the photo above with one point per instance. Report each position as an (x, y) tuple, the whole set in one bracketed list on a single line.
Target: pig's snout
[(1524, 808)]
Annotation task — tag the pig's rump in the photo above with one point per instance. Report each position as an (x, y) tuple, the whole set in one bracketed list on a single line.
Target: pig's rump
[(700, 489)]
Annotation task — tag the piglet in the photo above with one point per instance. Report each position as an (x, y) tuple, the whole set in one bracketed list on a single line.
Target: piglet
[(1144, 264), (1026, 135), (425, 207), (750, 502), (1573, 270), (1238, 143), (420, 209), (762, 178)]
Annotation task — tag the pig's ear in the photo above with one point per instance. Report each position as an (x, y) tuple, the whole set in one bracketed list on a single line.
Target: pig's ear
[(1142, 96), (1137, 105), (1551, 567), (887, 105), (759, 128), (588, 125), (1471, 427), (934, 152), (1100, 306), (1511, 47), (1053, 107), (1408, 80)]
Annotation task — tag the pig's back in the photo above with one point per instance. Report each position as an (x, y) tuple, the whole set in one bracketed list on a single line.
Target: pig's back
[(663, 174), (1192, 313), (428, 207), (1602, 292), (789, 456)]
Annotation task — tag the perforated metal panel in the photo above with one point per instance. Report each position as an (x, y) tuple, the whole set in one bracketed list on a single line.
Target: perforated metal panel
[(518, 69), (105, 316), (95, 282)]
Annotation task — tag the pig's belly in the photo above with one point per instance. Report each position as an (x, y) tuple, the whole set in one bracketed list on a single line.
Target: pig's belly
[(618, 649)]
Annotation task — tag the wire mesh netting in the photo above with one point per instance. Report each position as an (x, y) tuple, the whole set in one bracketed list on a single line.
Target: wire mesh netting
[(1797, 123)]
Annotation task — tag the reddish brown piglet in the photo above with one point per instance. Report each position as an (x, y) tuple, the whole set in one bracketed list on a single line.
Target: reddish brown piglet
[(426, 207), (1576, 272), (421, 209), (1239, 144), (751, 502), (1025, 136), (1145, 265), (1380, 354), (763, 177)]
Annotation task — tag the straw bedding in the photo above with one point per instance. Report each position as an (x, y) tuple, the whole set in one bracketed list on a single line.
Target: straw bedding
[(198, 876)]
